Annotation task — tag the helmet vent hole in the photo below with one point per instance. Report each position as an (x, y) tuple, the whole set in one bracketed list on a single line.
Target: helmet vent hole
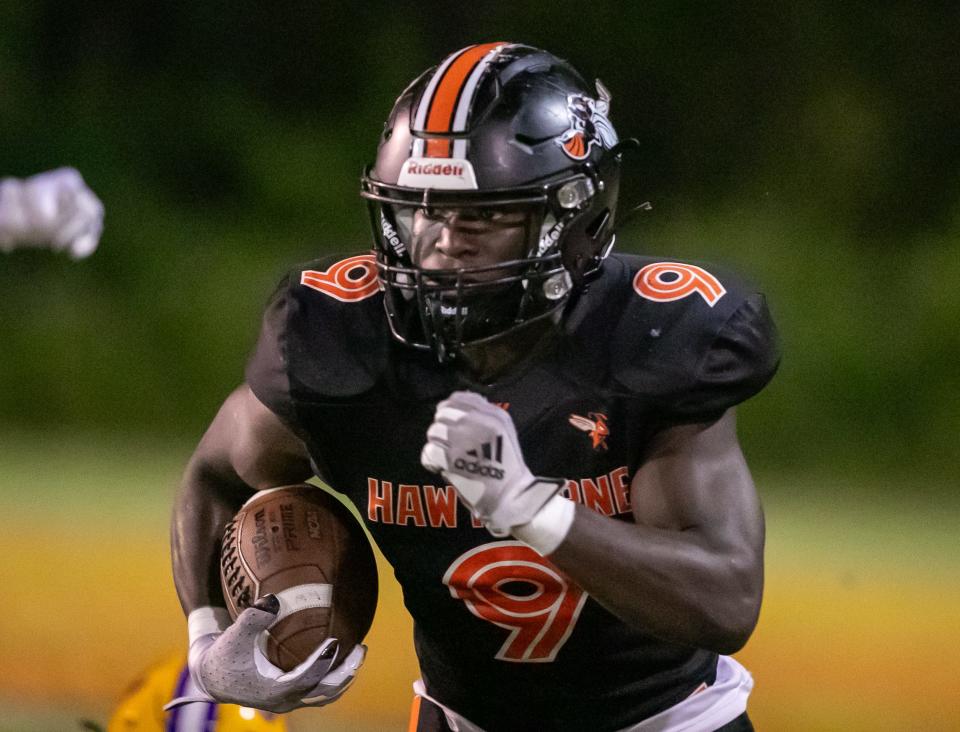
[(529, 139)]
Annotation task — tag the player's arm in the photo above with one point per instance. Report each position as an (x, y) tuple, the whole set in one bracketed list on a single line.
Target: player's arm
[(690, 570), (246, 448)]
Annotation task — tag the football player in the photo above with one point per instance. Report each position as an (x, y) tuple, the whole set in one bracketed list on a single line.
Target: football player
[(53, 210), (539, 434)]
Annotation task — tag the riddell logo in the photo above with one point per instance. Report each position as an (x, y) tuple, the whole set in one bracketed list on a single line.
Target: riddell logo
[(415, 168), (439, 173), (488, 451), (390, 235)]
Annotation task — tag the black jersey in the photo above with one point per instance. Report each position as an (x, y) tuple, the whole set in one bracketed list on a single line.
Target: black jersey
[(502, 636)]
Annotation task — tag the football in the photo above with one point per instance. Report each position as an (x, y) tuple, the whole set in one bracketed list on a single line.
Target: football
[(301, 544)]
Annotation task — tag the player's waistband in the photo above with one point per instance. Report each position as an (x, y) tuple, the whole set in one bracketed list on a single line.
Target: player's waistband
[(707, 708)]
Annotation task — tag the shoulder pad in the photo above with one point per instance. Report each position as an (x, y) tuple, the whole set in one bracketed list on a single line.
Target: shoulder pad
[(693, 338), (324, 334)]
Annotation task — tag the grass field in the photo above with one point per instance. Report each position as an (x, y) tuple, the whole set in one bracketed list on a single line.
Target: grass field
[(860, 622)]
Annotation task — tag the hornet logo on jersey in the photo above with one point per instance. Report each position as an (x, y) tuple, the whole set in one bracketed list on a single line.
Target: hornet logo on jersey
[(488, 451), (595, 425), (589, 124)]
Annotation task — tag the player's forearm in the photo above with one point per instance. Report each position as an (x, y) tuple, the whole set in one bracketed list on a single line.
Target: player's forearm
[(205, 503), (246, 448), (671, 583)]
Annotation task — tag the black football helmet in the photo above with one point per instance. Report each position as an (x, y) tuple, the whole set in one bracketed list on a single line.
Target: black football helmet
[(497, 131)]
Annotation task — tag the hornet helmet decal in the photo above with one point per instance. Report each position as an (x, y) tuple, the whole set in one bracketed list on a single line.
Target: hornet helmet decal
[(589, 124)]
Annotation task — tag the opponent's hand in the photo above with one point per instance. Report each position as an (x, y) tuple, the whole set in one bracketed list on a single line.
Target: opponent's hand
[(474, 444), (232, 667), (53, 210)]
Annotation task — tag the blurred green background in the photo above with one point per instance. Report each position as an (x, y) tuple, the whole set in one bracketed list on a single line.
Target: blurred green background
[(815, 147), (812, 145)]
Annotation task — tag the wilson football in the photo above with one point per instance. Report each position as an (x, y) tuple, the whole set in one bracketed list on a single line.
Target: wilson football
[(301, 544)]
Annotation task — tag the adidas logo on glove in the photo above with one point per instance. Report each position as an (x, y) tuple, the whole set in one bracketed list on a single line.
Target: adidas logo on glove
[(486, 452)]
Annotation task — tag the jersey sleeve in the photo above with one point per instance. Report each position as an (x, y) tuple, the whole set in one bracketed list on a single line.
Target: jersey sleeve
[(690, 359), (267, 372), (319, 343), (741, 360)]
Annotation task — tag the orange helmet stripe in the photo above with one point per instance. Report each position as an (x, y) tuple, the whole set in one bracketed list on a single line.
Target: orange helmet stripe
[(444, 101), (437, 148)]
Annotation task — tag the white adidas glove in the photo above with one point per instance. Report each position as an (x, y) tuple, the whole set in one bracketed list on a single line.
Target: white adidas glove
[(230, 665), (53, 210), (474, 444)]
